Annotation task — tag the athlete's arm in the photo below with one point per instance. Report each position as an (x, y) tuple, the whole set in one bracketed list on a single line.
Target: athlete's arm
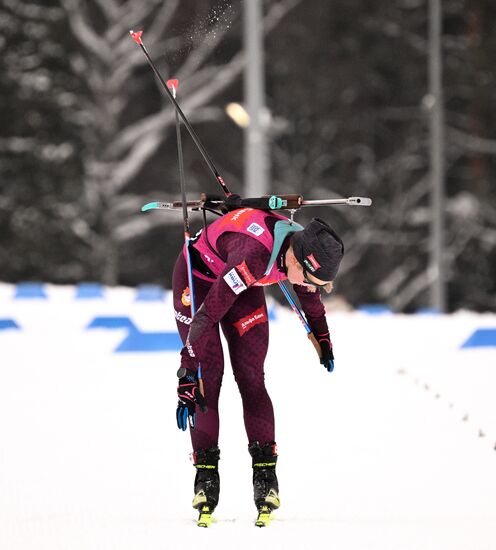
[(311, 303)]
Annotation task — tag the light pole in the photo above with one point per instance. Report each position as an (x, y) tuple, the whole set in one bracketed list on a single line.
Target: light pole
[(256, 159), (436, 264)]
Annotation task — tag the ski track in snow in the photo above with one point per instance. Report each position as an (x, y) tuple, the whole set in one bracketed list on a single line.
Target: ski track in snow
[(394, 450)]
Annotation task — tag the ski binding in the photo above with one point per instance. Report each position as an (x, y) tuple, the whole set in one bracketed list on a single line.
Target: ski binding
[(205, 518), (264, 516)]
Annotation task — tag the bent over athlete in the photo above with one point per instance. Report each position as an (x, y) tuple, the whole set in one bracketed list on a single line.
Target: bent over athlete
[(232, 260)]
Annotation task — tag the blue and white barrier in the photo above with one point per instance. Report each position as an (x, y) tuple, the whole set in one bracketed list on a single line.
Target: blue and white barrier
[(145, 315)]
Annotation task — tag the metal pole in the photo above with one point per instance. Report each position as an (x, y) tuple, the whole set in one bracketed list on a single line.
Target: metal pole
[(255, 158), (437, 291)]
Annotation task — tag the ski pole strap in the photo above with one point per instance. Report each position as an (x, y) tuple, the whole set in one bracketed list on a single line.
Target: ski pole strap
[(282, 229)]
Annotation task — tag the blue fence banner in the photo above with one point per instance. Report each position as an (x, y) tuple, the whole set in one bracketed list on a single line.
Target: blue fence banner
[(272, 314), (30, 291), (8, 324), (374, 309), (481, 338), (137, 341), (85, 291), (149, 293), (112, 323)]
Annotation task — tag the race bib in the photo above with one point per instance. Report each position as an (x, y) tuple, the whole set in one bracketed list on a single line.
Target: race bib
[(234, 281), (255, 229)]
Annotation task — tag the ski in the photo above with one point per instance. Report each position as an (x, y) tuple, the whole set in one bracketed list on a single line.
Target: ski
[(264, 516), (205, 517), (273, 202), (178, 205)]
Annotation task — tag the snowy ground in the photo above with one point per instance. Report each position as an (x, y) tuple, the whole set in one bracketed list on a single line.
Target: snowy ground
[(394, 450)]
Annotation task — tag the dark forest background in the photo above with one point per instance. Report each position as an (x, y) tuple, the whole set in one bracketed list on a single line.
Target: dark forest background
[(87, 137)]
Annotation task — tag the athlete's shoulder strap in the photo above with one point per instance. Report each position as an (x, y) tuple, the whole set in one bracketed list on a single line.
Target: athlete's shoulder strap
[(282, 229)]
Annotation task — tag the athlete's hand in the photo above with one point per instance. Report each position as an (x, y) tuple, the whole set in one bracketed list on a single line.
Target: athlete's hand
[(189, 395), (327, 358)]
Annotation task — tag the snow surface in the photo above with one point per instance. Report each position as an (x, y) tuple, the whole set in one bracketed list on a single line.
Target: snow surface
[(394, 450)]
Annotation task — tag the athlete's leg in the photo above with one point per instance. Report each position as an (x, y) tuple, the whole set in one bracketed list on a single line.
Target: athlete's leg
[(246, 329), (205, 435)]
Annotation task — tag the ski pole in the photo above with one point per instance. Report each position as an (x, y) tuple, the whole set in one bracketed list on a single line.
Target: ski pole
[(136, 36), (173, 85), (304, 322)]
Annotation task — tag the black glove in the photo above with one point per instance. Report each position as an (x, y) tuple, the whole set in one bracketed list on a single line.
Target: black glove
[(327, 358), (189, 395)]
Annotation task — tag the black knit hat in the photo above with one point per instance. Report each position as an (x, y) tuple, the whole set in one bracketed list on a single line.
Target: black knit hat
[(318, 249)]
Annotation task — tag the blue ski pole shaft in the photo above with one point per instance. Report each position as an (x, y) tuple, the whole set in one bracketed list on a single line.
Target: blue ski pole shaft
[(173, 85), (192, 300), (296, 309)]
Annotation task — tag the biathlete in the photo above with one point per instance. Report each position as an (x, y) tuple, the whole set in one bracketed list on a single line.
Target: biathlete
[(232, 260)]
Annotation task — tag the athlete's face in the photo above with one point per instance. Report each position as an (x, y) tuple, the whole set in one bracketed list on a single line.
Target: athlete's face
[(297, 275)]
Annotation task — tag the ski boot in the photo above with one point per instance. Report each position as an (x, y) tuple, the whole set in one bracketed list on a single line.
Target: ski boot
[(265, 485), (207, 484)]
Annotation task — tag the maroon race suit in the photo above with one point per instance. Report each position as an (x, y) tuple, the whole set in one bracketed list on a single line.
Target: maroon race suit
[(230, 267)]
